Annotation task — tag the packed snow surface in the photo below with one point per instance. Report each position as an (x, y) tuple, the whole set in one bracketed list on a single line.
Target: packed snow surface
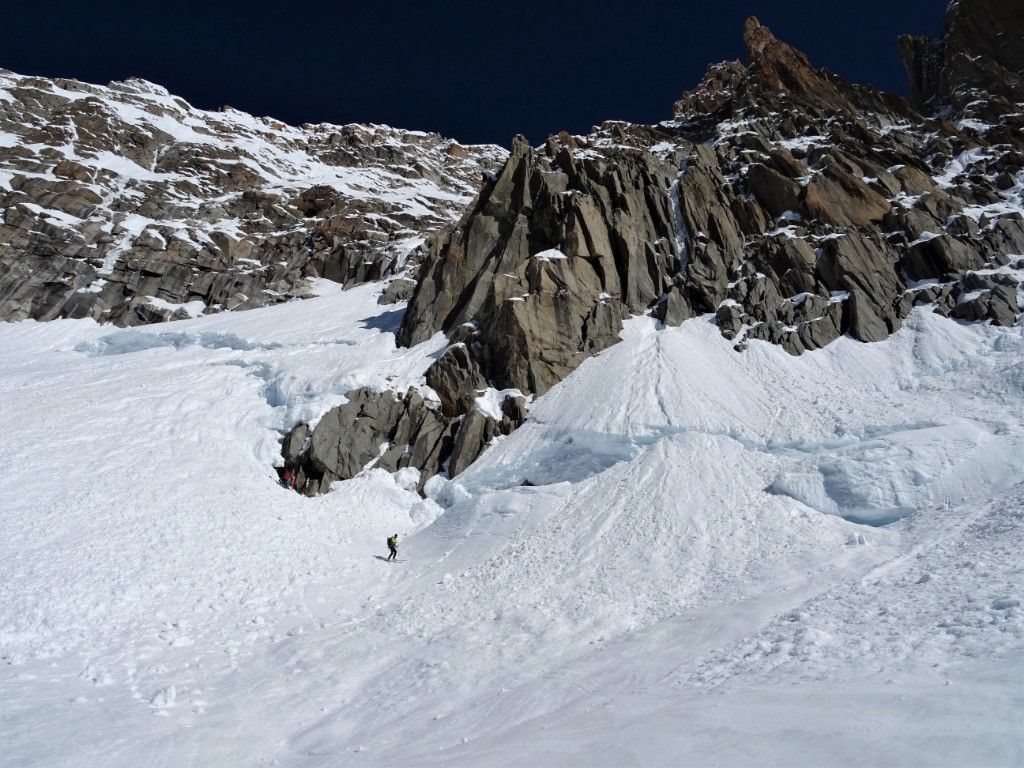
[(687, 555)]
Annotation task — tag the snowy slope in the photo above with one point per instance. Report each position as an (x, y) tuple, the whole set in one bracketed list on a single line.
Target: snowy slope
[(679, 584)]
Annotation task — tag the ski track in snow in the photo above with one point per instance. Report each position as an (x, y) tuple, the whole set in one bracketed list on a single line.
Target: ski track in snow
[(679, 581)]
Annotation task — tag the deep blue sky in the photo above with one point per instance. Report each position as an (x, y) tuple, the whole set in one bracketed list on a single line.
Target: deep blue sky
[(476, 71)]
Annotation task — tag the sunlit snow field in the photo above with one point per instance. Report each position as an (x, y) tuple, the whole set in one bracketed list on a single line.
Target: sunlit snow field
[(723, 558)]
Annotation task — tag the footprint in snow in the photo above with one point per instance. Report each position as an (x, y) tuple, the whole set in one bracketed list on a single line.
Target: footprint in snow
[(94, 676), (164, 698)]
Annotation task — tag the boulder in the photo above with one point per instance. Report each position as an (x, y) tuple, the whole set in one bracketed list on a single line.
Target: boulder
[(998, 305), (476, 432), (398, 291), (378, 429), (729, 318), (864, 266), (942, 257), (782, 160), (674, 307), (839, 198), (349, 436), (513, 413), (456, 377), (294, 444), (820, 328), (774, 191)]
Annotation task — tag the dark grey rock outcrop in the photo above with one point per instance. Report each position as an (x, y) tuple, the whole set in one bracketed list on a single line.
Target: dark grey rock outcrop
[(555, 251), (456, 378), (386, 431), (864, 266), (374, 429)]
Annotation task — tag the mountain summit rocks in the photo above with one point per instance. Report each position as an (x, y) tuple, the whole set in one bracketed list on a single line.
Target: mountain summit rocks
[(793, 205)]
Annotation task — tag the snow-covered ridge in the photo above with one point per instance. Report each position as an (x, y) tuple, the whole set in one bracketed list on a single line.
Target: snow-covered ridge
[(126, 204)]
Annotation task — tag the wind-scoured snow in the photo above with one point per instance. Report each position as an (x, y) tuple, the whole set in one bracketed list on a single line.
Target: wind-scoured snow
[(687, 555)]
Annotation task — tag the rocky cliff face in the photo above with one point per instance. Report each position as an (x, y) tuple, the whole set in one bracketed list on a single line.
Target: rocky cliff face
[(127, 205), (794, 206), (975, 70), (559, 248), (826, 208)]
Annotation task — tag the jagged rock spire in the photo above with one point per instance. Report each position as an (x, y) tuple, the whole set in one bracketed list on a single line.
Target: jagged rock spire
[(778, 76), (979, 57)]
